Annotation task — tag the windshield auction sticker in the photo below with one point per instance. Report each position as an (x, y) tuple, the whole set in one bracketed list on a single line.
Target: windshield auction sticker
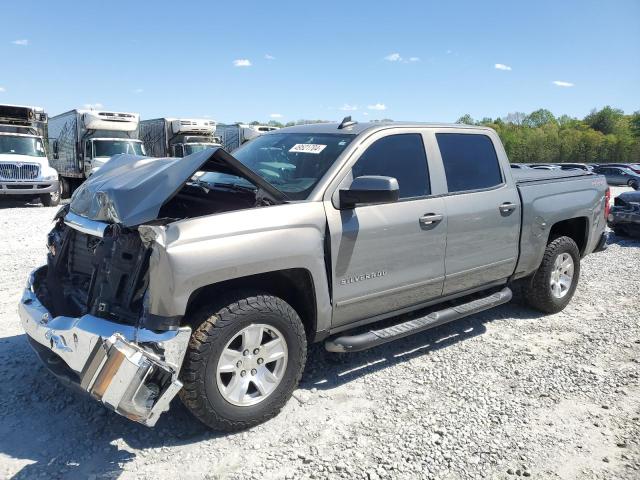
[(307, 148)]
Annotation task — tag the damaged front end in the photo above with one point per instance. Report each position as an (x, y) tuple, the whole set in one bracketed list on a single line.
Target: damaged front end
[(85, 315), (91, 313)]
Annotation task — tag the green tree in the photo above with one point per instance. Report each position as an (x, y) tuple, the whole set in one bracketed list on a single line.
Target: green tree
[(539, 118), (605, 120), (466, 119)]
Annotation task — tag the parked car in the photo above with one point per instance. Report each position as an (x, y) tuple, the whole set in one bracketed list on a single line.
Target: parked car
[(159, 283), (543, 166), (572, 166), (624, 217), (520, 166), (632, 166), (618, 175)]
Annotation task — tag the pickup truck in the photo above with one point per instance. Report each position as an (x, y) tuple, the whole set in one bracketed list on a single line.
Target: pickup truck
[(207, 276)]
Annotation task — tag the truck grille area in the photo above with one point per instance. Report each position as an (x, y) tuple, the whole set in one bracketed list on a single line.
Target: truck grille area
[(15, 171), (105, 277)]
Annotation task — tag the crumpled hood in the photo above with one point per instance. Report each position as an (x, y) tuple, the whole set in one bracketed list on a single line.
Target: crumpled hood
[(130, 190)]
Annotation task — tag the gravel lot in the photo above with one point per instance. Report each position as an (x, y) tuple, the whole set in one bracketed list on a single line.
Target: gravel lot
[(503, 394)]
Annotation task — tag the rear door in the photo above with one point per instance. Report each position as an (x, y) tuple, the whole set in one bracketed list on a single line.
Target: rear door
[(482, 207), (387, 257)]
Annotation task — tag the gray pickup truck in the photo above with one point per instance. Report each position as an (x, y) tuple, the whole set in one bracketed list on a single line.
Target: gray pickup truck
[(209, 275)]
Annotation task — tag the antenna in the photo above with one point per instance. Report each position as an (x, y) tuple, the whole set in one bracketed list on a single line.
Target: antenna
[(346, 122)]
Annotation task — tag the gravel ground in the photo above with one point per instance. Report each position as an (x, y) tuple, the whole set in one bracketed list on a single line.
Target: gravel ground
[(503, 394)]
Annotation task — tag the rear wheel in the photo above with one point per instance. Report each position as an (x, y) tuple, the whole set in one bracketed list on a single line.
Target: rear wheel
[(554, 283), (244, 360)]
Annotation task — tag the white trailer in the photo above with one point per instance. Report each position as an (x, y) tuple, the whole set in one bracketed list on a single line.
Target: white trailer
[(234, 135), (84, 140), (24, 162), (177, 137)]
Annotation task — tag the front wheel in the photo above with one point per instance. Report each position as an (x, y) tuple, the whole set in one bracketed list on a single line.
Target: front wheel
[(243, 361), (51, 199), (554, 283)]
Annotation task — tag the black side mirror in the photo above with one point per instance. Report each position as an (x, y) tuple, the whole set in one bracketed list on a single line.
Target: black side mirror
[(370, 189)]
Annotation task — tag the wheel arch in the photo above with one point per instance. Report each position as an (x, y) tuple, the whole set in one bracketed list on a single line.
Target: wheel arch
[(295, 286), (576, 228)]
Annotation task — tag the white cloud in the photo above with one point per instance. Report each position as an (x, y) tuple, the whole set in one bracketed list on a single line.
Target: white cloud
[(560, 83), (276, 115), (377, 106), (242, 62), (449, 52), (502, 66), (365, 113), (138, 90), (2, 89), (348, 107), (393, 57), (269, 57), (23, 43), (414, 59), (93, 106)]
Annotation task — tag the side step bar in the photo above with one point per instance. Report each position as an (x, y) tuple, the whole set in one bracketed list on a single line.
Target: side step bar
[(356, 343)]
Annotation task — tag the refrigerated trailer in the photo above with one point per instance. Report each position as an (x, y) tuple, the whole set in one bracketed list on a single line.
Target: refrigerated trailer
[(177, 137), (24, 162), (234, 135), (84, 140)]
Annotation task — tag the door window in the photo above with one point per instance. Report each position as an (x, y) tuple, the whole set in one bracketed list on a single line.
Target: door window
[(470, 161), (400, 156)]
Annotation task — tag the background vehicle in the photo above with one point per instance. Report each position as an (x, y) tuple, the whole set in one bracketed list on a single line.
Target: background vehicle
[(177, 137), (624, 217), (233, 136), (84, 140), (618, 175), (519, 166), (635, 167), (571, 166), (218, 286), (24, 163), (544, 166)]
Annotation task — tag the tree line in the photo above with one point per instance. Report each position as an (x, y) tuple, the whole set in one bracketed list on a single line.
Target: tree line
[(603, 136)]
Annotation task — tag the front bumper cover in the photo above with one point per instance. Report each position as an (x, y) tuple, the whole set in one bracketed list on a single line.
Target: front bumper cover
[(25, 187), (131, 370)]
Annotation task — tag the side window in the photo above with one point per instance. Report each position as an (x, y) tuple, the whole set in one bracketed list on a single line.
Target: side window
[(470, 161), (87, 149), (178, 152), (400, 156)]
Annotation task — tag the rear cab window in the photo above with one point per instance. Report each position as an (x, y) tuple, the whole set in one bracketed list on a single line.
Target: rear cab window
[(470, 161)]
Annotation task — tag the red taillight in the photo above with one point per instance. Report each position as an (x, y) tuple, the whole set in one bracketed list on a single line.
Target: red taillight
[(607, 199)]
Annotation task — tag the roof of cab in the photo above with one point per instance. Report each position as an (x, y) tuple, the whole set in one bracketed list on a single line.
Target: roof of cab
[(358, 128)]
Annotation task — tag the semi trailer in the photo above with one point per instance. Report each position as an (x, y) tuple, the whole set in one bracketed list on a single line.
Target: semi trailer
[(24, 163), (84, 140), (177, 137), (234, 135)]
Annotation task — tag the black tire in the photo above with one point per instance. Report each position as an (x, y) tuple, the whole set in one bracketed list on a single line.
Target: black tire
[(66, 188), (214, 327), (537, 291), (51, 199)]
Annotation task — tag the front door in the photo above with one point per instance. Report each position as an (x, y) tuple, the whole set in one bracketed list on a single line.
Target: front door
[(483, 212), (388, 257)]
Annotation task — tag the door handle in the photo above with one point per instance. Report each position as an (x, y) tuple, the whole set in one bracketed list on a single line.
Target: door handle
[(507, 207), (431, 218)]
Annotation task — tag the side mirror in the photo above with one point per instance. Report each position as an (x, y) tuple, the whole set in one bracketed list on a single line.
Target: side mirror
[(370, 189)]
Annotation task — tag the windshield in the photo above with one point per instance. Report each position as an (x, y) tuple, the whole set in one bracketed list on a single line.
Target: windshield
[(190, 148), (292, 162), (109, 148), (21, 146)]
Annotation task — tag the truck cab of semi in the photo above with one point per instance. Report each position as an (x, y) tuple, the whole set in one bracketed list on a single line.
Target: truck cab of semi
[(84, 140), (177, 137), (24, 165)]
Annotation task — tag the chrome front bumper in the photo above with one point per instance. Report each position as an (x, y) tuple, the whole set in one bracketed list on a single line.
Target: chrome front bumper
[(25, 187), (107, 359)]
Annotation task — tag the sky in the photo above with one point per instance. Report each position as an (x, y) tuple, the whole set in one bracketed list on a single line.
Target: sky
[(243, 61)]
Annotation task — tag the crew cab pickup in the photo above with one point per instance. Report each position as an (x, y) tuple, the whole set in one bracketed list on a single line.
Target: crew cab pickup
[(207, 276)]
